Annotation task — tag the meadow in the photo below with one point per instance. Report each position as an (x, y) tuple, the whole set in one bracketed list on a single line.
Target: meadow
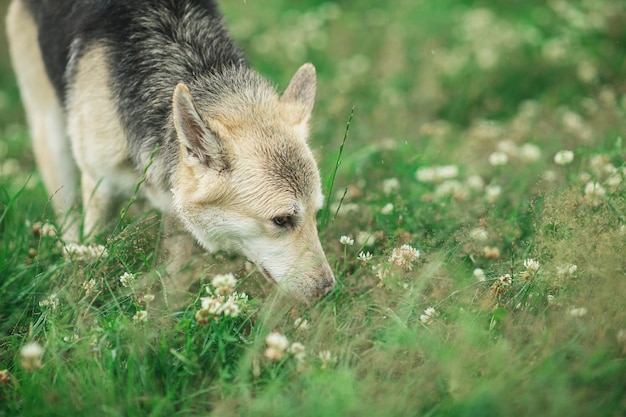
[(475, 224)]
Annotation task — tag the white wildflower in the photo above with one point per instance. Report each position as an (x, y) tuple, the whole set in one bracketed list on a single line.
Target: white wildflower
[(48, 230), (31, 355), (346, 240), (479, 274), (326, 357), (298, 351), (51, 302), (563, 157), (140, 317), (301, 324), (365, 256), (491, 252), (230, 308), (85, 253), (390, 185), (224, 284), (549, 175), (475, 182), (452, 188), (498, 158), (492, 192), (127, 279), (404, 257), (277, 344), (531, 265), (506, 280), (566, 270), (88, 286), (436, 174), (211, 304), (479, 234), (529, 152), (387, 209), (428, 315), (594, 193), (148, 298), (578, 311), (550, 298)]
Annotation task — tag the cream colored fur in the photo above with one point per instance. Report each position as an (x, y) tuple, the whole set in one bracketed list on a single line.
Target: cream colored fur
[(45, 115)]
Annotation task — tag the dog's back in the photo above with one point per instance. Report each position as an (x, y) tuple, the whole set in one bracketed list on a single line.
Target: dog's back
[(151, 45)]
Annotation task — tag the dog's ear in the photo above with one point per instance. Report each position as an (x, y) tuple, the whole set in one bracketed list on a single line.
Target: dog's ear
[(299, 96), (197, 142)]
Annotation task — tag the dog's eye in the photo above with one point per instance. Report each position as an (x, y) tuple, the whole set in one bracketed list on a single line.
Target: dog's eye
[(282, 221)]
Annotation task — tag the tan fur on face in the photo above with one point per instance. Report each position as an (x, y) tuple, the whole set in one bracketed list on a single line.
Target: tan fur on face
[(260, 168)]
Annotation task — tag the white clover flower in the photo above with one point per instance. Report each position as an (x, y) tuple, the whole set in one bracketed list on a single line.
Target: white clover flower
[(390, 185), (475, 182), (140, 317), (506, 280), (479, 234), (428, 315), (531, 265), (492, 192), (31, 355), (564, 157), (529, 152), (48, 230), (224, 284), (301, 324), (230, 308), (498, 158), (479, 274), (52, 302), (426, 174), (84, 253), (491, 252), (148, 298), (578, 312), (127, 279), (277, 344), (298, 350), (550, 298), (404, 257), (346, 240), (387, 209), (549, 175), (566, 270), (437, 173), (88, 286), (451, 188), (594, 193), (211, 304), (365, 256), (326, 357)]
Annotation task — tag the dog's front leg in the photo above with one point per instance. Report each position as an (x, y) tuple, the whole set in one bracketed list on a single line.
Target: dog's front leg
[(182, 269), (97, 202)]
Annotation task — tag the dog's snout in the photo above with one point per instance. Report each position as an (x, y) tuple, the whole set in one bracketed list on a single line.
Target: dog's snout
[(328, 283)]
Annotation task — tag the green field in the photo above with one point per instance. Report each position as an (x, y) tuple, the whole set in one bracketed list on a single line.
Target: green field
[(514, 306)]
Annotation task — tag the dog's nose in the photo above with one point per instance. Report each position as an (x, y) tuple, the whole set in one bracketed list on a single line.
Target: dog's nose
[(328, 283)]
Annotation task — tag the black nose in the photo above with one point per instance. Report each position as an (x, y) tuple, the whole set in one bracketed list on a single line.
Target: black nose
[(328, 283)]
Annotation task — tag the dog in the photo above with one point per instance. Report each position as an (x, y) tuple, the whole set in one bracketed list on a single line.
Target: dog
[(114, 89)]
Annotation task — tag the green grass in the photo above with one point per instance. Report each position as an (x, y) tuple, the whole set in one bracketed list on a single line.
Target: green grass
[(432, 84)]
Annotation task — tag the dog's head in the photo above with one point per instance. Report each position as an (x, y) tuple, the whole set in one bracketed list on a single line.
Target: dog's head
[(247, 181)]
